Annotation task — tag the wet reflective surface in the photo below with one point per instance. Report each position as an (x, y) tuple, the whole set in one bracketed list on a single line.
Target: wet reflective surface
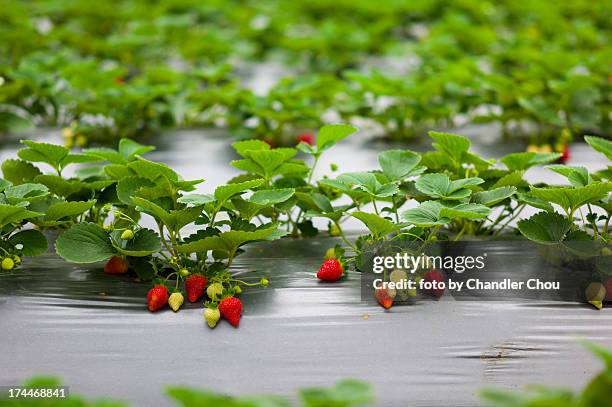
[(94, 331)]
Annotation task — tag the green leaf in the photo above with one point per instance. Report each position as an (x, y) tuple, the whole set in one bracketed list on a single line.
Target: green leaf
[(33, 241), (577, 176), (440, 186), (336, 184), (400, 164), (117, 171), (266, 163), (570, 198), (84, 243), (196, 199), (526, 160), (600, 144), (540, 398), (152, 171), (144, 243), (464, 211), (15, 214), (201, 398), (271, 196), (321, 202), (154, 210), (331, 134), (4, 184), (229, 241), (25, 193), (242, 147), (524, 198), (73, 158), (514, 178), (432, 213), (602, 353), (386, 190), (66, 188), (43, 152), (545, 227), (452, 145), (19, 171), (364, 180), (129, 149), (345, 393), (248, 210), (106, 154), (493, 196), (225, 192), (377, 225), (427, 214), (182, 217), (128, 187), (67, 209)]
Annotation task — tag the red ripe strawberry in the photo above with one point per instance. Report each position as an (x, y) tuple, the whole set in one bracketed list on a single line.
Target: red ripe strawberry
[(307, 138), (565, 155), (383, 298), (231, 309), (195, 285), (608, 286), (431, 276), (116, 265), (157, 297), (331, 270)]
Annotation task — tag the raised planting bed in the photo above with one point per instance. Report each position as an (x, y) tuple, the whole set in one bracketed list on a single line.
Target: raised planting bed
[(81, 323)]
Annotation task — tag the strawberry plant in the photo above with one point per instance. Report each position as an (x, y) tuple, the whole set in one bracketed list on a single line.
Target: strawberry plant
[(88, 196), (453, 193), (166, 256), (16, 241), (293, 104), (584, 203), (282, 182)]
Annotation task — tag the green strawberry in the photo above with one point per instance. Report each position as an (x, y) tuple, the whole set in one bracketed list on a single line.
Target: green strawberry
[(7, 263), (127, 234)]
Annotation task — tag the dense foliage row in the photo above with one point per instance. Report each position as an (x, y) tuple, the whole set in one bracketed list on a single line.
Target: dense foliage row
[(348, 393), (447, 193), (129, 68)]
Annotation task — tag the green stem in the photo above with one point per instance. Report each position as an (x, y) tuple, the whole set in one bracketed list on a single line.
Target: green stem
[(344, 238), (395, 209), (163, 239), (375, 207), (461, 232), (314, 164), (519, 210), (244, 282), (593, 223)]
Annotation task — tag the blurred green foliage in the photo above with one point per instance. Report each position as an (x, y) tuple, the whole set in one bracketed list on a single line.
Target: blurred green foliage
[(113, 69)]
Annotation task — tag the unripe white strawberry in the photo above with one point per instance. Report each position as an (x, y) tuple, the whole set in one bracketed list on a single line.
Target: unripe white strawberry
[(214, 291), (212, 316), (175, 301)]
